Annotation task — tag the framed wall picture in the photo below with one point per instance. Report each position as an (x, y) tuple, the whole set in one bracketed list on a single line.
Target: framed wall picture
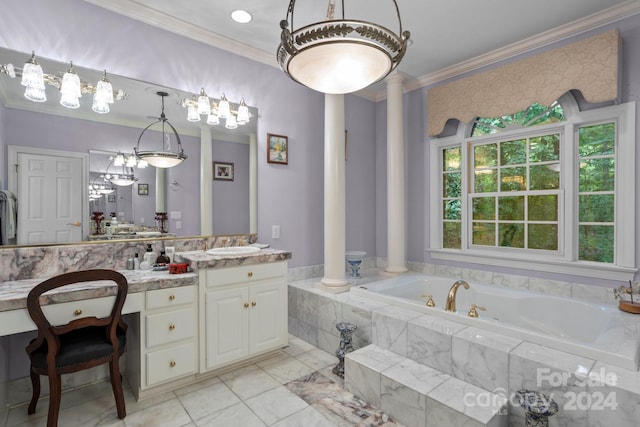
[(111, 198), (143, 189), (223, 171), (277, 149)]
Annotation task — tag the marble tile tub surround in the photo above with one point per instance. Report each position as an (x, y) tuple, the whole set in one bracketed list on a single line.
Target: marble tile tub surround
[(17, 263), (480, 358)]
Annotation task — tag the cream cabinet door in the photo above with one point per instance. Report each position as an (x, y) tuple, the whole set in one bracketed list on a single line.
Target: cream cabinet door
[(226, 317), (267, 317)]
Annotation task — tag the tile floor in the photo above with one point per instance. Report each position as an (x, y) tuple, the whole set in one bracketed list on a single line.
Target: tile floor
[(293, 388)]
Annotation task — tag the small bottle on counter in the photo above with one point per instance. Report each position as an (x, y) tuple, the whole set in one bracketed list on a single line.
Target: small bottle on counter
[(147, 260), (130, 264), (136, 262)]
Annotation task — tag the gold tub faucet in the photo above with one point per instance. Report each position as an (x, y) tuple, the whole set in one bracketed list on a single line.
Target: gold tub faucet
[(451, 297)]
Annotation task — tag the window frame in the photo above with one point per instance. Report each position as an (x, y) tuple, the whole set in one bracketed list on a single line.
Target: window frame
[(566, 261)]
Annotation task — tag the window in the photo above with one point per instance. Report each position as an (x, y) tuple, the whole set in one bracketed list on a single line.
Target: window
[(546, 185)]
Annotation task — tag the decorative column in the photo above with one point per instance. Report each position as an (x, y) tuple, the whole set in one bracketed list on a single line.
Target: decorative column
[(161, 190), (396, 258), (253, 184), (206, 181), (334, 196)]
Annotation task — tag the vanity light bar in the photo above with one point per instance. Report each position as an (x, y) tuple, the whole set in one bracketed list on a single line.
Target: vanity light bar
[(35, 90), (218, 109)]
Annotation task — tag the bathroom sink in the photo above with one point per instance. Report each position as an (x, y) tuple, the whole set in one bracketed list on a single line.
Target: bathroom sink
[(234, 250)]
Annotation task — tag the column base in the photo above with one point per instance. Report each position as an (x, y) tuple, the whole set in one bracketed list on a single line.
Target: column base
[(392, 272), (334, 286)]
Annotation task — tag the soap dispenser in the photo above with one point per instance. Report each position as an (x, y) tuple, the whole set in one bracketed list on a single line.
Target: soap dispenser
[(147, 260)]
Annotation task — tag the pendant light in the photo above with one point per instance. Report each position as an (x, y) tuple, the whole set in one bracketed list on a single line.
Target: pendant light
[(166, 157), (339, 56)]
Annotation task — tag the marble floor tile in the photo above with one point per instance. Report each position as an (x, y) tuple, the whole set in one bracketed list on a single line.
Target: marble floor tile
[(206, 401), (317, 359), (297, 346), (249, 381), (285, 369), (275, 405), (308, 417), (166, 414), (234, 415)]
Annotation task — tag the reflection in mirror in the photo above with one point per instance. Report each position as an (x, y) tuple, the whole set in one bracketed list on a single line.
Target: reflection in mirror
[(48, 125)]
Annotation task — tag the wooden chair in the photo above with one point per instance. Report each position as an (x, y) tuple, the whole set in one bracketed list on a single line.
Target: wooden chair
[(80, 344)]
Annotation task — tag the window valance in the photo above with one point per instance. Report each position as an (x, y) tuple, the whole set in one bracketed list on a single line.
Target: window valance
[(590, 66)]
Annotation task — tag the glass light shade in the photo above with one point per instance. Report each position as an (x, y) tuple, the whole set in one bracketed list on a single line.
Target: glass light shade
[(243, 113), (71, 84), (339, 67), (223, 108), (118, 160), (142, 164), (32, 75), (104, 90), (204, 107), (100, 107), (123, 180), (231, 122), (212, 119), (162, 159), (35, 94), (131, 161), (192, 114), (69, 101), (10, 70)]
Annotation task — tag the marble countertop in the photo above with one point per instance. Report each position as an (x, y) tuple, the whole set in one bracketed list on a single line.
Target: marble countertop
[(201, 259), (13, 294)]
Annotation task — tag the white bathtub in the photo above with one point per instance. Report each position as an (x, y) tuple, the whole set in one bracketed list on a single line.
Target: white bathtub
[(599, 332)]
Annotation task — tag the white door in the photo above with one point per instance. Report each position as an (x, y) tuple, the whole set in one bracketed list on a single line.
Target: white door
[(49, 189)]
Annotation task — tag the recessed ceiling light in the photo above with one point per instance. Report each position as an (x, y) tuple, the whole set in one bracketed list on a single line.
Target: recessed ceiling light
[(241, 16)]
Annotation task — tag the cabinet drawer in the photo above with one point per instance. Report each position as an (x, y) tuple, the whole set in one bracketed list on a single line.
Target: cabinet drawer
[(245, 274), (162, 298), (163, 328), (174, 362), (61, 313)]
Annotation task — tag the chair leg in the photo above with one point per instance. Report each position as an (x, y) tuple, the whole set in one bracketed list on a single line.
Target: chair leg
[(55, 394), (35, 386), (116, 385)]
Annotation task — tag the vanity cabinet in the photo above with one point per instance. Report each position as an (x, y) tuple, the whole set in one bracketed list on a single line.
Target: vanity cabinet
[(244, 314), (166, 336)]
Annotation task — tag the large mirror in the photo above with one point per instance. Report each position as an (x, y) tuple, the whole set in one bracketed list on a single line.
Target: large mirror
[(222, 205)]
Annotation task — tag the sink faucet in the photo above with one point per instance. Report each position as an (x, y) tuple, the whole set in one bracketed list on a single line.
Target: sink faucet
[(451, 298)]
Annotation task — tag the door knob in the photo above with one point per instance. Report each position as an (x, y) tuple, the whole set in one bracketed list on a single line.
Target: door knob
[(75, 224)]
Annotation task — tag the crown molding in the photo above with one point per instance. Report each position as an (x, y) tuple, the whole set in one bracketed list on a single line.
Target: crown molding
[(155, 18), (592, 22)]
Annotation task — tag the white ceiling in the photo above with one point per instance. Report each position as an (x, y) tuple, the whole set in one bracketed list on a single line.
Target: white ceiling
[(444, 33)]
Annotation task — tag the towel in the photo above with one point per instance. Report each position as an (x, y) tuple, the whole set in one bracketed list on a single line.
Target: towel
[(8, 217)]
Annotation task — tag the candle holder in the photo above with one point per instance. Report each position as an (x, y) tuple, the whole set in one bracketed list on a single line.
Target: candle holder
[(161, 220), (97, 219)]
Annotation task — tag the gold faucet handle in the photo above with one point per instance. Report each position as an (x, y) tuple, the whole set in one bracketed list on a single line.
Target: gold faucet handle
[(473, 311), (430, 302)]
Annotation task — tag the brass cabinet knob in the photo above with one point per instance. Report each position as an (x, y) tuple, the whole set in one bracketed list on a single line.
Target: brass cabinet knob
[(253, 303), (172, 327), (250, 274), (246, 305), (172, 297), (78, 312), (172, 363)]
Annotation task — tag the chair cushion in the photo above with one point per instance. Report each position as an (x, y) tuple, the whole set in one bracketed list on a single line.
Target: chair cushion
[(79, 346)]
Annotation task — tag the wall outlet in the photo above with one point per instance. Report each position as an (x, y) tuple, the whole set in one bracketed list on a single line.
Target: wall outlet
[(275, 231), (178, 225), (142, 220), (176, 214)]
